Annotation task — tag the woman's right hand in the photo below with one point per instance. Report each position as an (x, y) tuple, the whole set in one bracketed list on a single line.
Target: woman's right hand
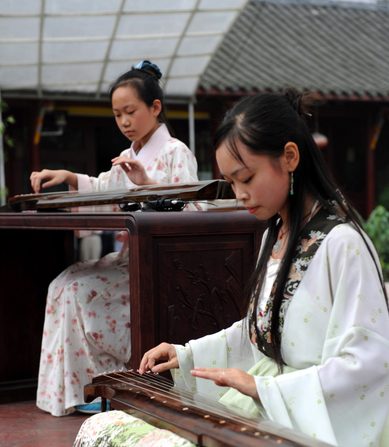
[(134, 170), (161, 358), (48, 177)]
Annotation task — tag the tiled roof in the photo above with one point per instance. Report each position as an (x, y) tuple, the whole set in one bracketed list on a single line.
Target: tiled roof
[(335, 49)]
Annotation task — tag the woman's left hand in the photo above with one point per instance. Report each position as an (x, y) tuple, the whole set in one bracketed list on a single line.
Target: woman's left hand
[(134, 170), (232, 377)]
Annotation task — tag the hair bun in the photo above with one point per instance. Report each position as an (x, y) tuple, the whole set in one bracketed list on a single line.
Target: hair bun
[(149, 68), (295, 99)]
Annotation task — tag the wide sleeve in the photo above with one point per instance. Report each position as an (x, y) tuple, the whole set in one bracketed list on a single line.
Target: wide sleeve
[(228, 348), (110, 180), (342, 400)]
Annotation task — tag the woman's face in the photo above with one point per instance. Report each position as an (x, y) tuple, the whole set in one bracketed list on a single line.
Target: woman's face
[(261, 182), (135, 119)]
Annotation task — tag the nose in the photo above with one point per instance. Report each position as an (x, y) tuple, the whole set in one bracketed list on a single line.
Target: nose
[(240, 193), (125, 121)]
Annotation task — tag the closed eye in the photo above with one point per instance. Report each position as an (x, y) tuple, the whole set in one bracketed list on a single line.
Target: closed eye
[(248, 180)]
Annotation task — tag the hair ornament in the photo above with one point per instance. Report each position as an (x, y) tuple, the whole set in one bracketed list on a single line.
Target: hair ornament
[(149, 68), (296, 100)]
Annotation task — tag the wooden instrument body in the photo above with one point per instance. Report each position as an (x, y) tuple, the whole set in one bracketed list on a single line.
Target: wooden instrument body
[(192, 416), (195, 191)]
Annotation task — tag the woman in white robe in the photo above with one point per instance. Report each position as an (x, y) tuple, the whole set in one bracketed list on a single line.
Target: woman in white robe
[(313, 352), (335, 342), (87, 321)]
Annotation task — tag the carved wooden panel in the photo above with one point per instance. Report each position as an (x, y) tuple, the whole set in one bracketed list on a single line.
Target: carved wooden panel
[(199, 284)]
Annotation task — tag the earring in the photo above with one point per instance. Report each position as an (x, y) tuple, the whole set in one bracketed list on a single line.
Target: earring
[(291, 191)]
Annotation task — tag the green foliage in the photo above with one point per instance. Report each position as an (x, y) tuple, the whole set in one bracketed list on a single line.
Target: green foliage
[(383, 197), (5, 123), (3, 126), (377, 227)]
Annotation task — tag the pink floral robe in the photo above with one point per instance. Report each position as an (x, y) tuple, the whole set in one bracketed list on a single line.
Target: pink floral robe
[(87, 321)]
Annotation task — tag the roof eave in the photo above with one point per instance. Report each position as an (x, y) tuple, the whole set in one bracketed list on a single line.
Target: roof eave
[(319, 95)]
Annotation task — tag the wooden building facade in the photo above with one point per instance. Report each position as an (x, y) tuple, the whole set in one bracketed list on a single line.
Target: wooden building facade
[(270, 46)]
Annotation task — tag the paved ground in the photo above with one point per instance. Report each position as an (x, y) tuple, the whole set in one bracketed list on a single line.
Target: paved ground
[(22, 424)]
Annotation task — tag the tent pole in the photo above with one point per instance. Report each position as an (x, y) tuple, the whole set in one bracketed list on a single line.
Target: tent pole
[(192, 142)]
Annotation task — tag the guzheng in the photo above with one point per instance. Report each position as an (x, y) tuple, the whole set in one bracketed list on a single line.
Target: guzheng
[(196, 191), (198, 419)]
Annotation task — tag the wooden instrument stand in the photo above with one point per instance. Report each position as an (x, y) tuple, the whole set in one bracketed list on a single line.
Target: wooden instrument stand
[(187, 273)]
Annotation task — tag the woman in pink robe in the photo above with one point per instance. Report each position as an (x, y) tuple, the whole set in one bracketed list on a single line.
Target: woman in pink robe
[(87, 321)]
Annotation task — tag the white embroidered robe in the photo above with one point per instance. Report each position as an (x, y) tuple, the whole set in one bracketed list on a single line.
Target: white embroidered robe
[(335, 336)]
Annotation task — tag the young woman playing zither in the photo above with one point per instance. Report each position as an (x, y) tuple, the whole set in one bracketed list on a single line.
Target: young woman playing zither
[(87, 321), (313, 351)]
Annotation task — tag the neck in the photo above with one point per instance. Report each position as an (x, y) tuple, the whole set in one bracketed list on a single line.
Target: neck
[(138, 145), (311, 206)]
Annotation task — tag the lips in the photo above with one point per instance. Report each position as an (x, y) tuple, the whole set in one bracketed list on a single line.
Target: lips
[(252, 210)]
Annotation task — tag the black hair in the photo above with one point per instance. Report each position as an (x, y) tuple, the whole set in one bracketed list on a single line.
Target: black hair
[(264, 123), (144, 78)]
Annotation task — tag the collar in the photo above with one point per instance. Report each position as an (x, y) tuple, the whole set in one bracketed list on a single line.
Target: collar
[(153, 146)]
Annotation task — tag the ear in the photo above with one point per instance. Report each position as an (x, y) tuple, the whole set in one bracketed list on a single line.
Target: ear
[(291, 156), (156, 107)]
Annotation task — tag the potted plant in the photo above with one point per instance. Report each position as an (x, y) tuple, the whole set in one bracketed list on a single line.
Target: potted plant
[(377, 227)]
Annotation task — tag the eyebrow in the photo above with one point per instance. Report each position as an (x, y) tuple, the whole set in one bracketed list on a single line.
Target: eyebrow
[(126, 106), (234, 173)]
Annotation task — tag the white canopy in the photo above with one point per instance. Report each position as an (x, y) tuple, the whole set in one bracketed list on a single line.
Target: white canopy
[(81, 46)]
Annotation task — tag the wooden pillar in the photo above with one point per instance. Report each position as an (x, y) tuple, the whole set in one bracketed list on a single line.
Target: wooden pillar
[(370, 178), (374, 131), (35, 153)]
